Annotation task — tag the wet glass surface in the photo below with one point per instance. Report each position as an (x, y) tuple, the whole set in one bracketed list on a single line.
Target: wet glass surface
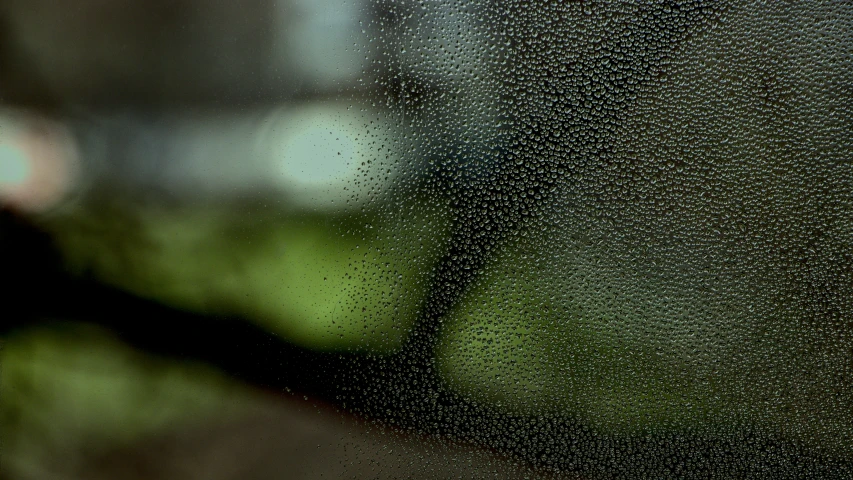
[(383, 239)]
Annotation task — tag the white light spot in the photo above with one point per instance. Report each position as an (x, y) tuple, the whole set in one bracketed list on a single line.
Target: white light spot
[(38, 162), (14, 167), (327, 156), (319, 151)]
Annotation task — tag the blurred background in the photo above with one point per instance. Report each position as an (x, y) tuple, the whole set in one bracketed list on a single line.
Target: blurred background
[(245, 175), (384, 239)]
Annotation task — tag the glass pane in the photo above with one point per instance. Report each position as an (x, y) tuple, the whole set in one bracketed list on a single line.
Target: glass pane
[(393, 239)]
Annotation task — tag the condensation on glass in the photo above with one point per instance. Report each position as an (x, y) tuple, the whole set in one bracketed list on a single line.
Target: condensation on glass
[(570, 239)]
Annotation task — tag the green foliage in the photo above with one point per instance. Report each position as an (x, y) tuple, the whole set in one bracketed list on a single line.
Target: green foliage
[(76, 391), (322, 282)]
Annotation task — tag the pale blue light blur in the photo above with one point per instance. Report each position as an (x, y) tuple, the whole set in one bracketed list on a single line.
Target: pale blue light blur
[(14, 167)]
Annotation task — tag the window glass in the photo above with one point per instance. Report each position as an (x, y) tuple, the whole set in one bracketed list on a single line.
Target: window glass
[(435, 239)]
